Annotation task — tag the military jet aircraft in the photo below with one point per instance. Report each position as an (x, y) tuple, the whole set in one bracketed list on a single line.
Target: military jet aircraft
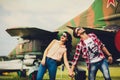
[(101, 18)]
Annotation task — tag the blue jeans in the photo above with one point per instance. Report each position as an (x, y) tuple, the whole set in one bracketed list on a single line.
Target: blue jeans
[(51, 65), (103, 66)]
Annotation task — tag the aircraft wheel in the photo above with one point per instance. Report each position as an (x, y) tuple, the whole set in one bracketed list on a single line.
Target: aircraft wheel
[(0, 73), (33, 75), (22, 73)]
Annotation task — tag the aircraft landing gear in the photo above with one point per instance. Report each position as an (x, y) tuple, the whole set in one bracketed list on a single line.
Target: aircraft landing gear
[(33, 75), (22, 73)]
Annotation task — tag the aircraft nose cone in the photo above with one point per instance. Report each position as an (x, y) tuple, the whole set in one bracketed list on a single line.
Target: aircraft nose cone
[(117, 40)]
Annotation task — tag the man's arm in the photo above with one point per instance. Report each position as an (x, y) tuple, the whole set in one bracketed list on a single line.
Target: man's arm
[(75, 59), (105, 50)]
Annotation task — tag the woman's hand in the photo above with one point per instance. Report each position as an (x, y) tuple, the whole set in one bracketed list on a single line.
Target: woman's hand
[(43, 62)]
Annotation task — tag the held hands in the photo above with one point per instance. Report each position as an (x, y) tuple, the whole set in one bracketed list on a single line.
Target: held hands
[(71, 73)]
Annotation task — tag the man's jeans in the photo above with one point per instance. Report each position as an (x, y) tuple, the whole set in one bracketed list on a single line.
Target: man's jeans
[(51, 65), (103, 66)]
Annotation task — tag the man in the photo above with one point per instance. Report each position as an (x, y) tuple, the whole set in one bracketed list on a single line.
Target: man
[(92, 50)]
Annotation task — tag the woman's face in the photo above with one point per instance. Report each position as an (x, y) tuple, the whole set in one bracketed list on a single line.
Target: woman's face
[(63, 37)]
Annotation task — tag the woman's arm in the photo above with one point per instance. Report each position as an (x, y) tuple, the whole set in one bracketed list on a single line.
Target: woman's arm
[(46, 51), (67, 63)]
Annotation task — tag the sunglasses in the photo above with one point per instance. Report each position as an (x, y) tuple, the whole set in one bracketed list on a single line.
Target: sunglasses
[(77, 29), (64, 35), (82, 32)]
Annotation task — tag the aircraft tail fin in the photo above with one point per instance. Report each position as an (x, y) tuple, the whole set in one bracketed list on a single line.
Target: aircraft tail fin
[(100, 14)]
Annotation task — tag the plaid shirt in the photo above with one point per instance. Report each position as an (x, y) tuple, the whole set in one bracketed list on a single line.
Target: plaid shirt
[(81, 48)]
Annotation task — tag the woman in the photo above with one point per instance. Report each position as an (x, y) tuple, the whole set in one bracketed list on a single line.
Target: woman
[(54, 53)]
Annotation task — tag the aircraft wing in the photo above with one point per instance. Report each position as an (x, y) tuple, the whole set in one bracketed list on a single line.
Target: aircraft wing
[(34, 40), (28, 33), (101, 33)]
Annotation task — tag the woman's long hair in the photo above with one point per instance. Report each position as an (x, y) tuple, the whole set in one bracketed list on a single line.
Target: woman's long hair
[(68, 44)]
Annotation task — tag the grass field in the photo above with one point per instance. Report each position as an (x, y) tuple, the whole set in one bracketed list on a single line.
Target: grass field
[(63, 75)]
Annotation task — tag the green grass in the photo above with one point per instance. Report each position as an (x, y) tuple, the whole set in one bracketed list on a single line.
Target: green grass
[(12, 76), (114, 71)]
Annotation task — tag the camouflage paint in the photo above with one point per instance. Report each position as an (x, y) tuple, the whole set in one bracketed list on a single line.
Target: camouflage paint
[(98, 13)]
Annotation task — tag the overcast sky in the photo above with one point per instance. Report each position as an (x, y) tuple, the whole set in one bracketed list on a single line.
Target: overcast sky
[(43, 14)]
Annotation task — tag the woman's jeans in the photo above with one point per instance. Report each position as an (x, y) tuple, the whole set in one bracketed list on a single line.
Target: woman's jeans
[(103, 66), (51, 65)]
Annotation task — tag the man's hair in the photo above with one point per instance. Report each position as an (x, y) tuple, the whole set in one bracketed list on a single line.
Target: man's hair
[(74, 33)]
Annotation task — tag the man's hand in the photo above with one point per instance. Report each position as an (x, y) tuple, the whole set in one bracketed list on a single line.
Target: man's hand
[(110, 59)]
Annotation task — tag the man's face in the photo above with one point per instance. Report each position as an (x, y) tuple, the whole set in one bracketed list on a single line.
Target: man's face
[(80, 31)]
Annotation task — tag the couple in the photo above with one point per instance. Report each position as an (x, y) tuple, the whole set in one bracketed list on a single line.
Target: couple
[(90, 47)]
